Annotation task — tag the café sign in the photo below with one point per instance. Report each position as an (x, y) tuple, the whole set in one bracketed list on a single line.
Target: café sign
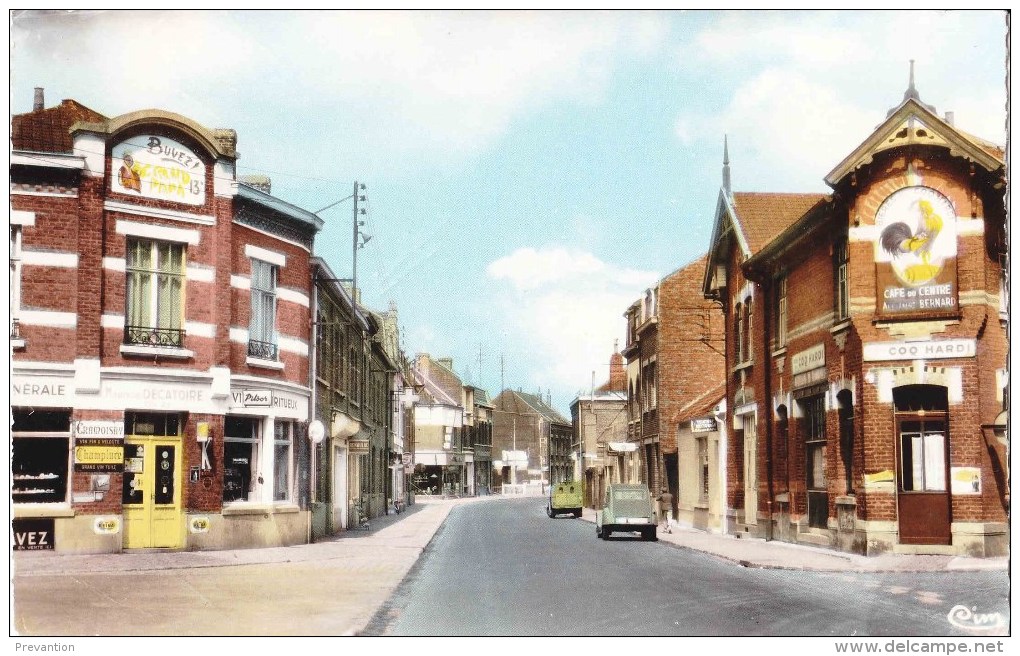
[(921, 350), (915, 253), (704, 425)]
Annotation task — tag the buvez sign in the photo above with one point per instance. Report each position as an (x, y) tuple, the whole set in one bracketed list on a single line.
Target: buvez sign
[(33, 534)]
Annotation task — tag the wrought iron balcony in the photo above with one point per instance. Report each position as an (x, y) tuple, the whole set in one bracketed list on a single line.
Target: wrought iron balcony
[(262, 350), (156, 337)]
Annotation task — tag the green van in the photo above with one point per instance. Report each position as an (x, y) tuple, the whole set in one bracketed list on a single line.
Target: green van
[(565, 498), (628, 508)]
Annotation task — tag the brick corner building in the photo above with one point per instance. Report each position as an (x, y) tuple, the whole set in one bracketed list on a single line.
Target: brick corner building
[(160, 334), (866, 346)]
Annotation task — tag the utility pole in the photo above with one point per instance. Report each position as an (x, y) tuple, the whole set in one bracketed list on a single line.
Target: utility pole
[(356, 245)]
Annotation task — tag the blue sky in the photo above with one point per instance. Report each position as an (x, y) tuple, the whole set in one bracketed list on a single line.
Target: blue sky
[(528, 174)]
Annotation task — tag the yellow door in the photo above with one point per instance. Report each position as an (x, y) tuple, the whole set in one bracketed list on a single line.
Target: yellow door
[(152, 493)]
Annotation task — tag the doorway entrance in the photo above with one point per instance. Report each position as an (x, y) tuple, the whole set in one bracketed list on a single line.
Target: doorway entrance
[(151, 493), (922, 448)]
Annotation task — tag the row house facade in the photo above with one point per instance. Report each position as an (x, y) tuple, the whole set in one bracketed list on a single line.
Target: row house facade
[(478, 424), (599, 422), (866, 342), (532, 438), (160, 332), (674, 366), (441, 449)]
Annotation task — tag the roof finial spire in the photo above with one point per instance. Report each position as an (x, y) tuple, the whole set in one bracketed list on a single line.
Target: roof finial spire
[(726, 165), (912, 94)]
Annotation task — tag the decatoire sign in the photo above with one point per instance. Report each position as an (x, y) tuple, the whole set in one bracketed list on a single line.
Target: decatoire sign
[(160, 168), (915, 253)]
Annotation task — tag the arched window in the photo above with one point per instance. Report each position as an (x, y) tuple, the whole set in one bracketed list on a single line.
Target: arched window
[(846, 436)]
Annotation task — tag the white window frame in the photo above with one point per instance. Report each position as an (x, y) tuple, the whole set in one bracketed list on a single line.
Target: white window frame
[(264, 299), (286, 429), (841, 252), (255, 463), (150, 288)]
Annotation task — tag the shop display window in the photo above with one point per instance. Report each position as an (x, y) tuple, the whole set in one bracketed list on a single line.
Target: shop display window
[(241, 459), (40, 456), (283, 461)]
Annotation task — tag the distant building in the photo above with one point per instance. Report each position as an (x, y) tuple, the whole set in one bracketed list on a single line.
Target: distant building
[(599, 421), (675, 360), (528, 426), (441, 450)]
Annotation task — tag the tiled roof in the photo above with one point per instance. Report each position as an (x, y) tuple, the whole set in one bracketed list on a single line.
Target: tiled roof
[(764, 215), (545, 410), (48, 130), (702, 405)]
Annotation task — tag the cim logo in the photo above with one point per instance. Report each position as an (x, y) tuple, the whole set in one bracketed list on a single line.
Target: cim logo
[(968, 618)]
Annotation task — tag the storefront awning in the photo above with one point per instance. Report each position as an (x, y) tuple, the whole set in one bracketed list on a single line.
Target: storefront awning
[(622, 447)]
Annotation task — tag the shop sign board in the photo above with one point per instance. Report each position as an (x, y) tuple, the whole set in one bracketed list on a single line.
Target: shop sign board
[(932, 349), (35, 534), (46, 391), (704, 425), (965, 481), (915, 254), (98, 454), (98, 429), (808, 359), (264, 400), (150, 166)]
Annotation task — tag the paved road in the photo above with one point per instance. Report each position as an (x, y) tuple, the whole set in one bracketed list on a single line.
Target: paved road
[(505, 569)]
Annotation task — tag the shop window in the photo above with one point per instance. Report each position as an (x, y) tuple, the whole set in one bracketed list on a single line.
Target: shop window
[(841, 263), (155, 293), (262, 329), (241, 479), (152, 423), (283, 460), (923, 456), (40, 455), (781, 312)]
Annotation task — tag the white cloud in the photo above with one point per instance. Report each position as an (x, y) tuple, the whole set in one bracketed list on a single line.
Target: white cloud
[(567, 306), (802, 89)]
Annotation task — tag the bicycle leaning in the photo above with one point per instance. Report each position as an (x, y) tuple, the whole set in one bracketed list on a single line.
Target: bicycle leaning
[(359, 518)]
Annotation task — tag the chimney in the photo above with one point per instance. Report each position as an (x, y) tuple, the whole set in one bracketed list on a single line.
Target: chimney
[(39, 103), (951, 118), (446, 362)]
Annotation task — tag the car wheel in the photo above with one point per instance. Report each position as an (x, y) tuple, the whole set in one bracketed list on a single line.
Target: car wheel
[(548, 511), (577, 515), (650, 536), (598, 531)]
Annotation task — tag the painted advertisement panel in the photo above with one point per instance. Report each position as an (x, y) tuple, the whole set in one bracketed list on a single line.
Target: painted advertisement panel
[(158, 167), (915, 253)]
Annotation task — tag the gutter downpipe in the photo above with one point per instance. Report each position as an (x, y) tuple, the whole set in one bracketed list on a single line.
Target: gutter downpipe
[(767, 371), (313, 400)]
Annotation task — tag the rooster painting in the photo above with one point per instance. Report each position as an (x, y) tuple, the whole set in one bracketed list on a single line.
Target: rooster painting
[(899, 240)]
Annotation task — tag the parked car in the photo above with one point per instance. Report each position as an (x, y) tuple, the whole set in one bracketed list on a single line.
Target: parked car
[(565, 498), (627, 507)]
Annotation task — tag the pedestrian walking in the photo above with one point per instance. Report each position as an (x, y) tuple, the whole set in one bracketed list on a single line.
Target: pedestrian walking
[(666, 510)]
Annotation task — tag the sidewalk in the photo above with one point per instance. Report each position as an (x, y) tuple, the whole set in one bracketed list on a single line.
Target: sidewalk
[(758, 553)]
